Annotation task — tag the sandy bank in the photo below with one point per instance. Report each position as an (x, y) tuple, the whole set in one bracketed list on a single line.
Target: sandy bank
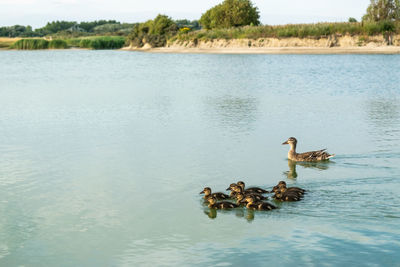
[(322, 45), (277, 50)]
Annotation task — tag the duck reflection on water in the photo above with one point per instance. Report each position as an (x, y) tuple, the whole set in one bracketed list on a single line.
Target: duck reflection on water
[(292, 173)]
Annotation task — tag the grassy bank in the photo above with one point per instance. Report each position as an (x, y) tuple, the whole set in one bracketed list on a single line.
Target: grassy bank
[(100, 42), (6, 42), (292, 30)]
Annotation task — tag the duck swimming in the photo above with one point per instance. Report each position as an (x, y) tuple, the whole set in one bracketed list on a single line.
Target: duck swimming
[(281, 186), (317, 155), (207, 193), (241, 196), (220, 205), (251, 189), (286, 196), (253, 205)]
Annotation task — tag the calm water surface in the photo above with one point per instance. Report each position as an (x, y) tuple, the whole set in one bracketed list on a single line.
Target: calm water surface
[(103, 155)]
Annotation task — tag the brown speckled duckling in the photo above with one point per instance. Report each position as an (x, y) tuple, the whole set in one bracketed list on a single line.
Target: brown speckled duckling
[(252, 205), (251, 189), (286, 196), (256, 197), (207, 193), (220, 205), (317, 155), (281, 186)]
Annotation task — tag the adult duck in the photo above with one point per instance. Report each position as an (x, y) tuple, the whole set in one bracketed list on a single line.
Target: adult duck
[(317, 155)]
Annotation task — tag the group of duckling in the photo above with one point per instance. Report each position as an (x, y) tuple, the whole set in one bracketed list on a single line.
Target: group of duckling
[(252, 198)]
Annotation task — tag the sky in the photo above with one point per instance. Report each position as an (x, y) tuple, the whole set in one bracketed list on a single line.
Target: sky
[(38, 12)]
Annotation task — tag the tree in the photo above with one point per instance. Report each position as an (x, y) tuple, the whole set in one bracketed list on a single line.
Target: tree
[(382, 10), (351, 19), (231, 13)]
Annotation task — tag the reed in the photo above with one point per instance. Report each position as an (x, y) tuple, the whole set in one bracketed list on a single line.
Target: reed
[(104, 42), (30, 44), (58, 44)]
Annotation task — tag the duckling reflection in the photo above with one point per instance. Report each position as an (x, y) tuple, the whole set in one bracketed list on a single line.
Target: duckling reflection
[(211, 213), (249, 215)]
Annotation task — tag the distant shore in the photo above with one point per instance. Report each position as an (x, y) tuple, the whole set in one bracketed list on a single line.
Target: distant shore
[(274, 50)]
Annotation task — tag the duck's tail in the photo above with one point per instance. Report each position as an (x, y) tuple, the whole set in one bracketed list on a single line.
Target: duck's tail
[(331, 156)]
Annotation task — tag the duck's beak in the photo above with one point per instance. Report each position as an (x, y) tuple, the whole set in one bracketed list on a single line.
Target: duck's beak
[(285, 143), (228, 188), (202, 192)]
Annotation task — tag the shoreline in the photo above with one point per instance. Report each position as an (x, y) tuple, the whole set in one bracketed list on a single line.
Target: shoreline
[(385, 50)]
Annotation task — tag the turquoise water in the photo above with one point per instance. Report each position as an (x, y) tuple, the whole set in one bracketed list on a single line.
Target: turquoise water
[(103, 155)]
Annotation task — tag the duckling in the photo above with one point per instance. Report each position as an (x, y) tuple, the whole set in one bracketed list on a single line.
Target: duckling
[(251, 204), (286, 196), (231, 186), (207, 193), (241, 196), (282, 184), (251, 189), (220, 205), (307, 156), (239, 190)]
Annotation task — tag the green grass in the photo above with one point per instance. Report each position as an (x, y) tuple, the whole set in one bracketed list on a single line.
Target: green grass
[(58, 44), (104, 42), (30, 44), (317, 30), (101, 42)]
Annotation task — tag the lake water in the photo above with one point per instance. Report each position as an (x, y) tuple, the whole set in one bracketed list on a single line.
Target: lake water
[(103, 155)]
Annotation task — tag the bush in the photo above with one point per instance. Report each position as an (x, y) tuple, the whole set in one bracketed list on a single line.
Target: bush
[(231, 13)]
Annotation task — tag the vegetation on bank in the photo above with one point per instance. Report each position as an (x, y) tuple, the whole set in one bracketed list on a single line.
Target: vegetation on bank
[(231, 13), (317, 30), (103, 42)]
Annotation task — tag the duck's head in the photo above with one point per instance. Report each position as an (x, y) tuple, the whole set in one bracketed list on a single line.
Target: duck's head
[(206, 191), (241, 184), (212, 200), (291, 141), (281, 183), (237, 189), (231, 186)]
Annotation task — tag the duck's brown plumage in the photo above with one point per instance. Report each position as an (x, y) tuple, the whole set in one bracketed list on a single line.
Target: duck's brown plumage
[(317, 155), (253, 205), (220, 205), (218, 195), (257, 190)]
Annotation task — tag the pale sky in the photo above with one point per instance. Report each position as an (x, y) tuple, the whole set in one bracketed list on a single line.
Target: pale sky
[(38, 12)]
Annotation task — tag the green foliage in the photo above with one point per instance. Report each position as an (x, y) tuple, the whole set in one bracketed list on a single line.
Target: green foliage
[(105, 42), (54, 27), (58, 44), (185, 23), (16, 31), (317, 30), (231, 13), (382, 10), (154, 32), (90, 26), (351, 19), (30, 44)]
